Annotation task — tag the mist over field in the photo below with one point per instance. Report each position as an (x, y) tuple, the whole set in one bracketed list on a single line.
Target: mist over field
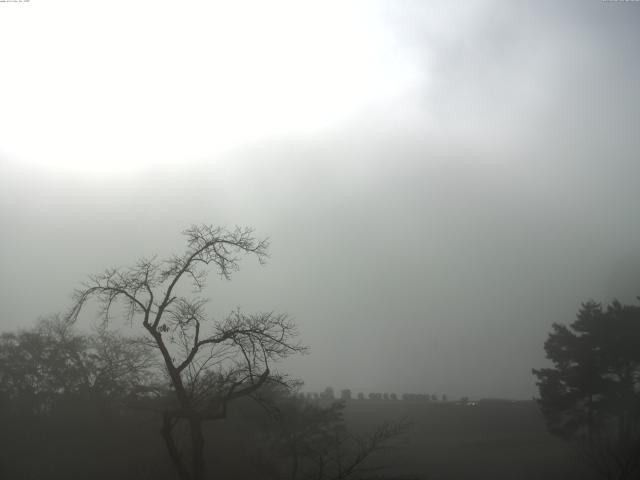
[(439, 181), (424, 240)]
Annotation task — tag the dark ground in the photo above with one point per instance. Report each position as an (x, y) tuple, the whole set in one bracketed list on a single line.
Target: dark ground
[(493, 440)]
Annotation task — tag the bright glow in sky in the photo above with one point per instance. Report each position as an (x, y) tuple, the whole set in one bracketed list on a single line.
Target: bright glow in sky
[(441, 180), (106, 87)]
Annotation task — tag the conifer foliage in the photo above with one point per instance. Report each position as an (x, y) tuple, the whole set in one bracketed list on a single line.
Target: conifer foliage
[(591, 395)]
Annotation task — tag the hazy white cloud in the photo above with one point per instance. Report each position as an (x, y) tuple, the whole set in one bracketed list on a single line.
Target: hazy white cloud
[(108, 88), (440, 180)]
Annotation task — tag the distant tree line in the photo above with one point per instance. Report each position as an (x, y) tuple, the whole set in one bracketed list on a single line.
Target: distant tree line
[(346, 395)]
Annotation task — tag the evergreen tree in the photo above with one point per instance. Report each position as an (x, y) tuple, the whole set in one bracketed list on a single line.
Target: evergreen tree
[(591, 395)]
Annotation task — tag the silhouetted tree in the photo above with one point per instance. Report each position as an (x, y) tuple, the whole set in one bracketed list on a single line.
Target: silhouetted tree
[(65, 397), (328, 395), (209, 368), (345, 395), (591, 396), (52, 361), (312, 441), (360, 396)]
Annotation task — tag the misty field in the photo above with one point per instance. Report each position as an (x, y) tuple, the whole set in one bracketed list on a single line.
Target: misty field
[(493, 440), (445, 441)]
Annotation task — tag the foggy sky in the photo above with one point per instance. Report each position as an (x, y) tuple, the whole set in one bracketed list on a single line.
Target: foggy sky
[(424, 241)]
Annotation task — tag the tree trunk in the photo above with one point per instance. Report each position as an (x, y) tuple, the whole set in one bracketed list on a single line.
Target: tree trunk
[(172, 448), (197, 448), (294, 459)]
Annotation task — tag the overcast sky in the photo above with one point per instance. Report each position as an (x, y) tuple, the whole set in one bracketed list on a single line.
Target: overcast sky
[(440, 180)]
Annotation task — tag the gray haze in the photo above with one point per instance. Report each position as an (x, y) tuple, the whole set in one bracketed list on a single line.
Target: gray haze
[(423, 244)]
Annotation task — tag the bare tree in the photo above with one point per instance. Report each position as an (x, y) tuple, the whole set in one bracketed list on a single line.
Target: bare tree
[(208, 370), (316, 444), (43, 366)]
